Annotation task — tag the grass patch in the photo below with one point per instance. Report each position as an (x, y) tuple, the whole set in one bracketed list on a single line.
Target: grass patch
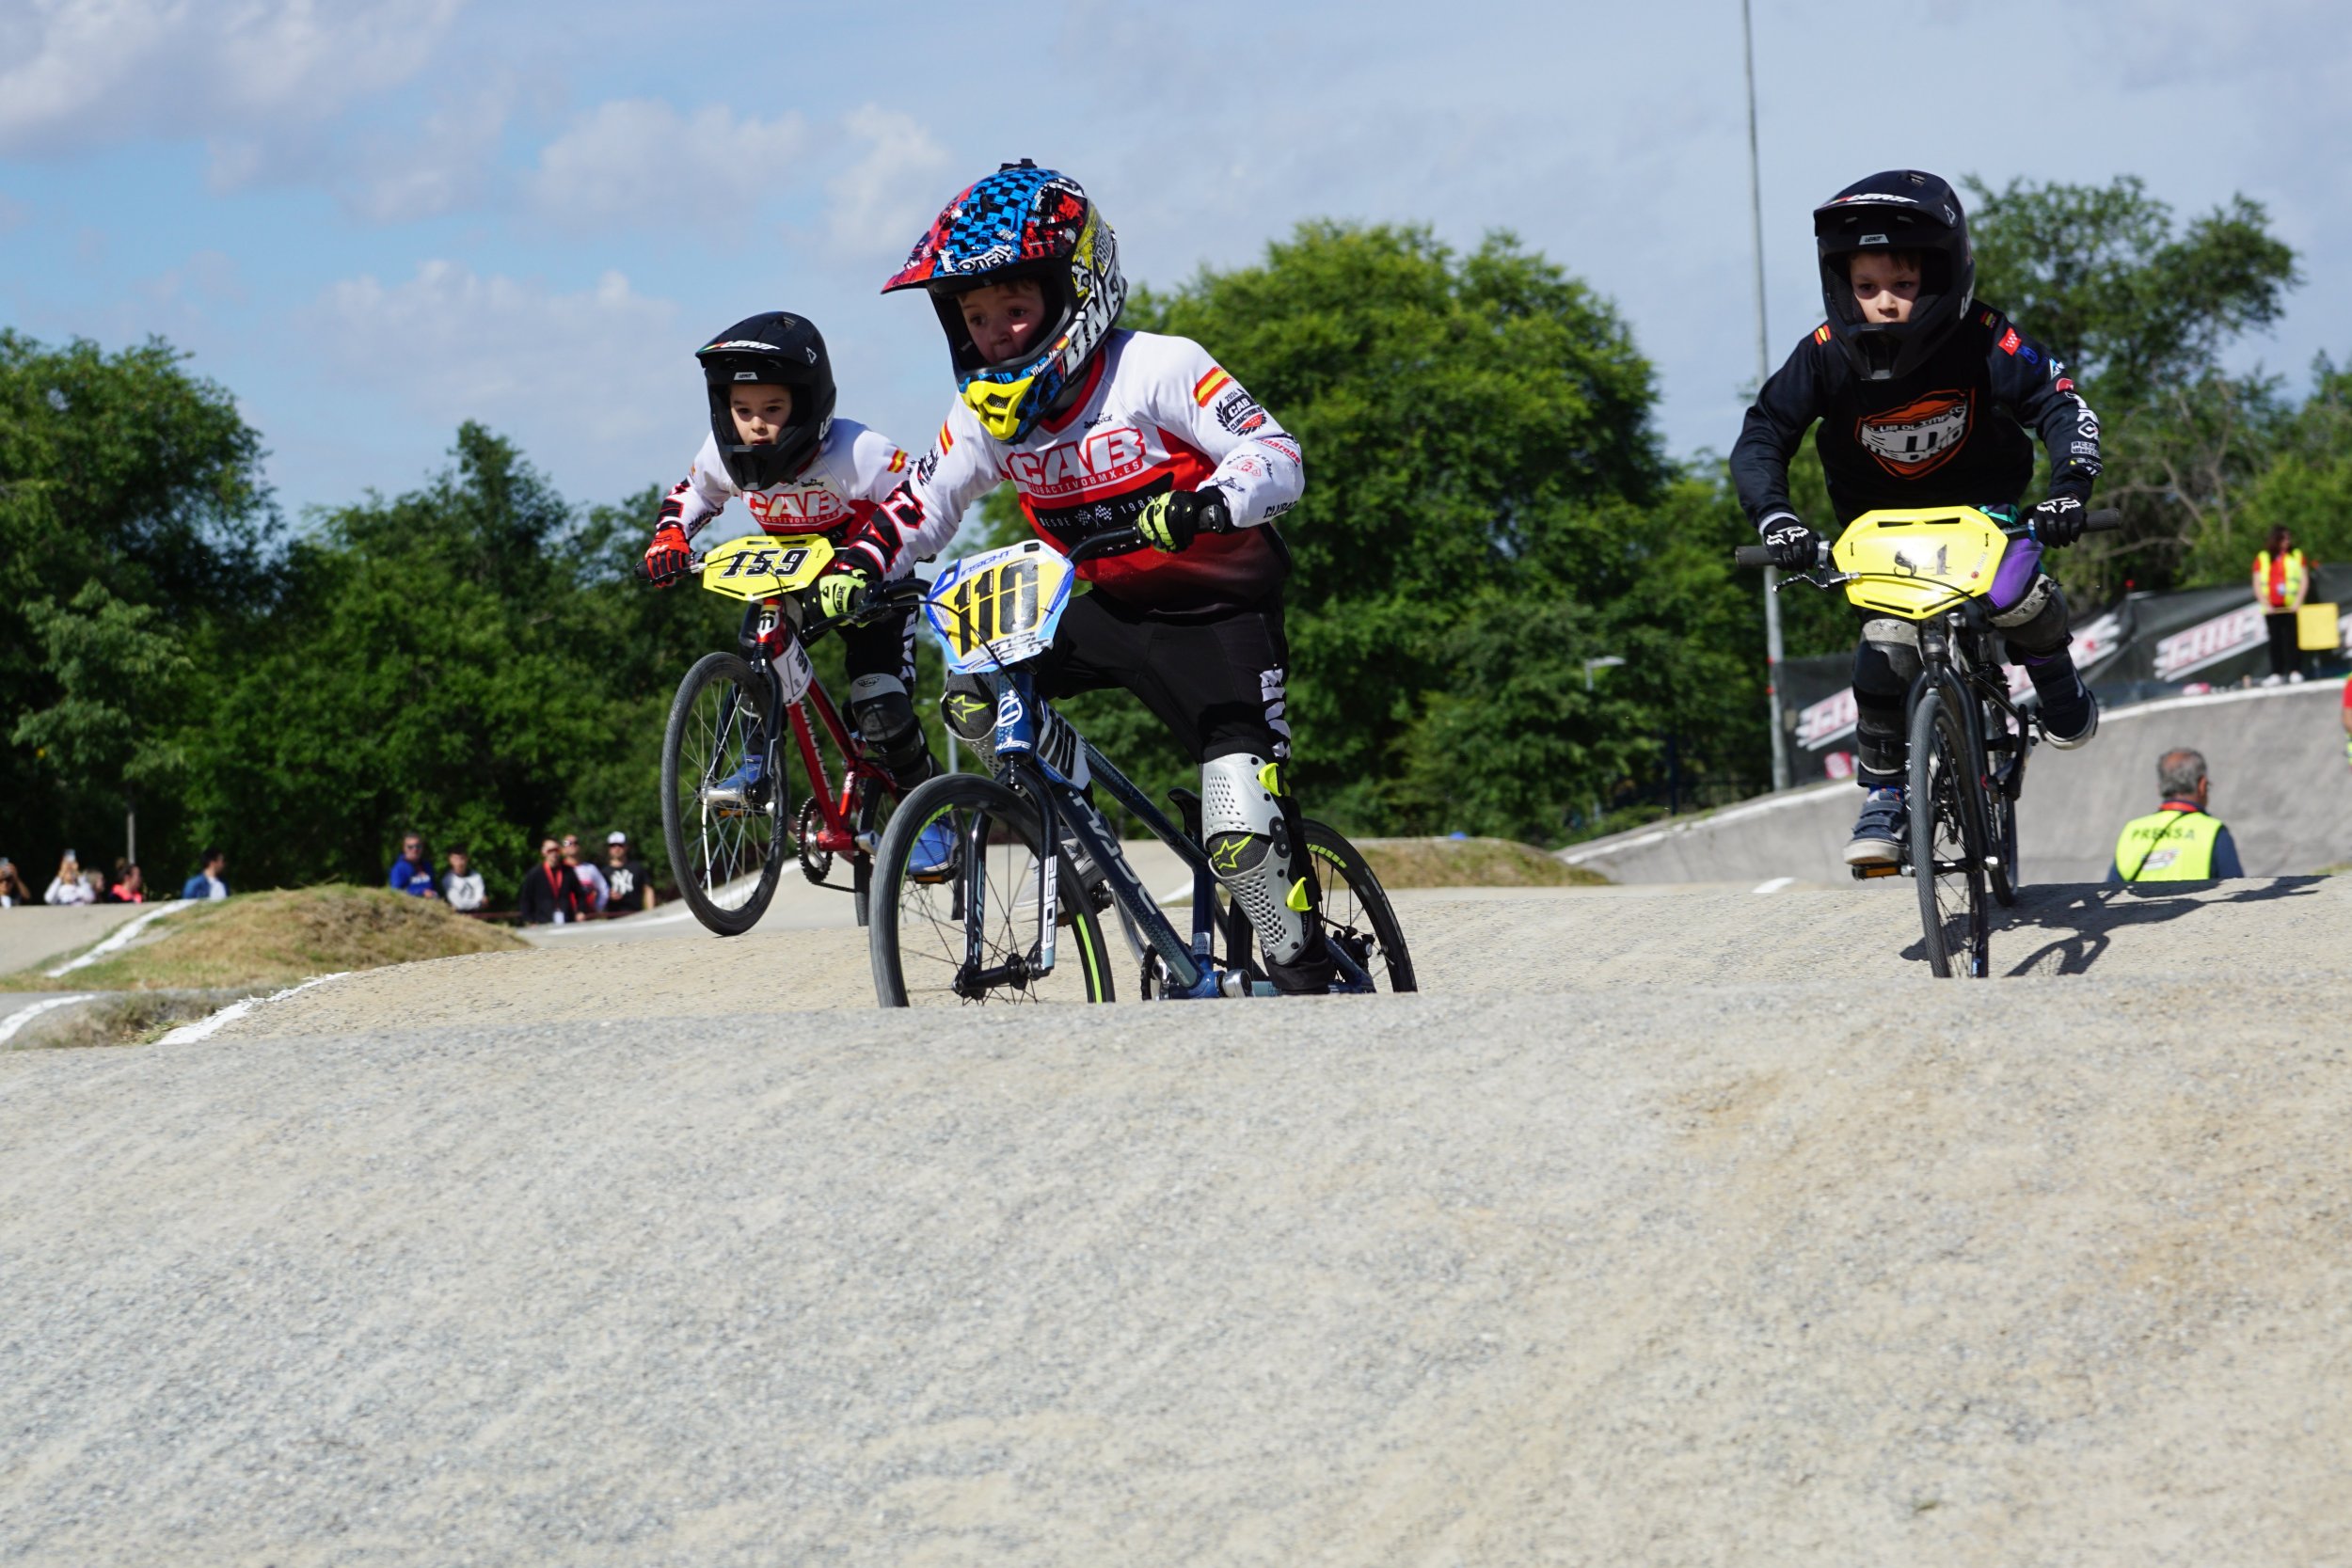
[(1469, 862), (125, 1018), (275, 939)]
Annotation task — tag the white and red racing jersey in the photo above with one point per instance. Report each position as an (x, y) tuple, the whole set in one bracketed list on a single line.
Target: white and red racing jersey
[(851, 472), (1156, 414)]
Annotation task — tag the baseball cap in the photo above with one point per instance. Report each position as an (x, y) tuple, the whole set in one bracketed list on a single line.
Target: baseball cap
[(616, 836)]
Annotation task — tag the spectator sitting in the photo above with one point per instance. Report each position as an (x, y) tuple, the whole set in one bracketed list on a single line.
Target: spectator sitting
[(13, 893), (207, 882), (2180, 842), (67, 887), (461, 885), (412, 874), (632, 885), (551, 894), (592, 881), (130, 887)]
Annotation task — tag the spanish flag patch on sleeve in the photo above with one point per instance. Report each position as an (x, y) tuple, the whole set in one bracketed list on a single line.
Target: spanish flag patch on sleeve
[(1210, 384), (947, 438), (1821, 333), (897, 461)]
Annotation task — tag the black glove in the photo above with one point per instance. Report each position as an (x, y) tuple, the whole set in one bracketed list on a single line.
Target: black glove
[(1169, 523), (2058, 521), (1795, 547)]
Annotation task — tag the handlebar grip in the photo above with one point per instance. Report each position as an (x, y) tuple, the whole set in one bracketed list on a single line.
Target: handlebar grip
[(1103, 544), (2105, 521), (640, 573), (1752, 555)]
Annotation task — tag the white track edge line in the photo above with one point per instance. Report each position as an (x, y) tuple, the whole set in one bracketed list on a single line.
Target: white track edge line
[(22, 1016), (204, 1028), (120, 937)]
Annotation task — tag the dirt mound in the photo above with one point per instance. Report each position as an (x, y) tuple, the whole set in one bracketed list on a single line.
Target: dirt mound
[(1469, 862), (275, 939)]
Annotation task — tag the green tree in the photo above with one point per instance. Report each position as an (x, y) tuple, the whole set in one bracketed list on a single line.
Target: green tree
[(463, 660), (1486, 510), (2143, 306), (131, 491)]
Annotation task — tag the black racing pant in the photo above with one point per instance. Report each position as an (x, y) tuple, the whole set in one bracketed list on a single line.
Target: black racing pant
[(1886, 661), (1216, 680)]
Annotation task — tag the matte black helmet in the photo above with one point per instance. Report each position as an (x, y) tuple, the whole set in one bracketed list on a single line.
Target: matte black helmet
[(781, 349), (1900, 210)]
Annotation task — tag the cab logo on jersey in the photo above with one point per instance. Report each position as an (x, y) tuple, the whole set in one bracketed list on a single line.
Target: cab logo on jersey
[(785, 508), (1920, 437), (1080, 467)]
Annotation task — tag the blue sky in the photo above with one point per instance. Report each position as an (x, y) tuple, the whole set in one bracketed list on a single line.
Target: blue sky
[(374, 218)]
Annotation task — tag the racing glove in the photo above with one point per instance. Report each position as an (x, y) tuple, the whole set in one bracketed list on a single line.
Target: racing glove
[(1169, 523), (838, 592), (668, 556), (1795, 547), (2058, 521)]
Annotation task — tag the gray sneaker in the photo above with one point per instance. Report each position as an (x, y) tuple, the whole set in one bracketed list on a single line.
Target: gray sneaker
[(1880, 831), (2071, 726)]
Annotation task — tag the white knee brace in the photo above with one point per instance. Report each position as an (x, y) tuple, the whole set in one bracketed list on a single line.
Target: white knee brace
[(1248, 843)]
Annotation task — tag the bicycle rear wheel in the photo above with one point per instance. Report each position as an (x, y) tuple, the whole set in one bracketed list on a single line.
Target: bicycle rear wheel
[(727, 854), (924, 935), (1948, 840), (1356, 915)]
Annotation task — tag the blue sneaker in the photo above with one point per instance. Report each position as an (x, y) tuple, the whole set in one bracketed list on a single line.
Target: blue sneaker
[(934, 857), (1879, 832), (732, 794)]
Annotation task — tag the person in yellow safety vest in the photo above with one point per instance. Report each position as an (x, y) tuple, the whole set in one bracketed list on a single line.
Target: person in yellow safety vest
[(2281, 580), (2180, 843)]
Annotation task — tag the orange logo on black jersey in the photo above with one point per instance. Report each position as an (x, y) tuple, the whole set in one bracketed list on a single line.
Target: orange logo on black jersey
[(1920, 437)]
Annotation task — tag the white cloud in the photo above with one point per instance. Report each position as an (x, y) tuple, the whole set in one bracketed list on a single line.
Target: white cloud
[(639, 163), (445, 165), (82, 73), (880, 203), (561, 373)]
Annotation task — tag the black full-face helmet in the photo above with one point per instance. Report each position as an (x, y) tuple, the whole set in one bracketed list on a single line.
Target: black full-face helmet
[(1900, 210), (778, 348)]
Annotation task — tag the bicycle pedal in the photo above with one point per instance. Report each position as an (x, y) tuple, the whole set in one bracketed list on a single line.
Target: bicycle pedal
[(1868, 873)]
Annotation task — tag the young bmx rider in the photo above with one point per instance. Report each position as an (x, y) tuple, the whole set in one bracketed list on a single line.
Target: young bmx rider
[(1099, 429), (1921, 392), (774, 442)]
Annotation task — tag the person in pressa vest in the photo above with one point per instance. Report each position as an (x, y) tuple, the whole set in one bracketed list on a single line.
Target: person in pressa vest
[(2180, 841)]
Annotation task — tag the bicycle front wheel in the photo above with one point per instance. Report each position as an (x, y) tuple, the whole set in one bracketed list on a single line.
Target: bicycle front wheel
[(726, 839), (1948, 840), (2000, 807), (968, 930)]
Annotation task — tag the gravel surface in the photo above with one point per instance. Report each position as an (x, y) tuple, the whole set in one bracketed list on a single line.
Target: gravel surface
[(1636, 1240)]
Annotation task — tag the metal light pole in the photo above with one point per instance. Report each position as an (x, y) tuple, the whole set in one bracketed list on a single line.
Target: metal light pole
[(1763, 371)]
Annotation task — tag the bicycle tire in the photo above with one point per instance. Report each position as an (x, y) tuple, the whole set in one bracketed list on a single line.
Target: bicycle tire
[(1356, 914), (2000, 822), (977, 807), (1946, 814), (711, 850), (875, 804)]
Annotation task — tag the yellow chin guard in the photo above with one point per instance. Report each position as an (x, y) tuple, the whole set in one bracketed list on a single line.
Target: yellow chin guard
[(997, 404)]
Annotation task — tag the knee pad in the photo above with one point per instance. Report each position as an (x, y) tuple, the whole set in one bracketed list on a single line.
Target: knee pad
[(2036, 624), (1247, 832), (885, 715), (1884, 664), (968, 705)]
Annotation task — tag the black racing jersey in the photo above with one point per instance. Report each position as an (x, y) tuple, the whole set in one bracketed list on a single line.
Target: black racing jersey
[(1952, 433)]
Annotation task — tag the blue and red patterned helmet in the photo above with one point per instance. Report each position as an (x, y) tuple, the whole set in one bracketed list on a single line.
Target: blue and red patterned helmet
[(1021, 221)]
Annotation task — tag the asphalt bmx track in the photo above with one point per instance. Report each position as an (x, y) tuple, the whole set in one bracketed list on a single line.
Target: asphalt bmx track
[(1669, 1225)]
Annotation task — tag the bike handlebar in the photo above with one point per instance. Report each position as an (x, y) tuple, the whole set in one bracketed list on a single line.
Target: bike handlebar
[(2105, 521)]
